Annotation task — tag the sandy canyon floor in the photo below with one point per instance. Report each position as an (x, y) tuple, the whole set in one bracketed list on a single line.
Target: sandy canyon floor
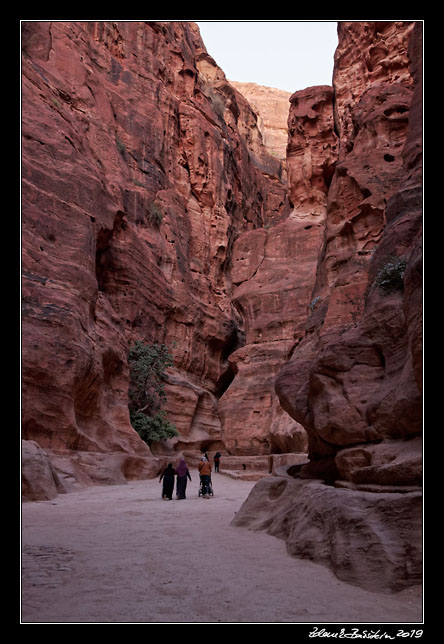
[(121, 554)]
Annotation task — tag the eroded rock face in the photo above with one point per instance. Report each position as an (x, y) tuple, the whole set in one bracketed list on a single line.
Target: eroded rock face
[(40, 481), (152, 210), (370, 540), (273, 274), (312, 149), (369, 54), (355, 378), (141, 166), (271, 104)]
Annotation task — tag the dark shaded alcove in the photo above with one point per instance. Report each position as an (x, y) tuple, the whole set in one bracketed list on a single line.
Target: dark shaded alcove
[(224, 381), (104, 244)]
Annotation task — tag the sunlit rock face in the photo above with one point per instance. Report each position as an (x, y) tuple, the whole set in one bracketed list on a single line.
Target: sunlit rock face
[(271, 105)]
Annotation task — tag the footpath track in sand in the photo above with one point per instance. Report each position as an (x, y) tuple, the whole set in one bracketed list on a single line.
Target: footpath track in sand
[(121, 554)]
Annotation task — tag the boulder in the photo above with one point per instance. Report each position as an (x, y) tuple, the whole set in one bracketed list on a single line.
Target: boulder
[(40, 481), (368, 539)]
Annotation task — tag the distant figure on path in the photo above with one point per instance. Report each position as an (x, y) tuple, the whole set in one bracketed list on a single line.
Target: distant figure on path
[(217, 461), (183, 474), (205, 474), (168, 481)]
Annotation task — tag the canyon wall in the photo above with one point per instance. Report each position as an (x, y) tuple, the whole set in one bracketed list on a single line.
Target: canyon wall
[(153, 210), (141, 166), (354, 382), (273, 275), (271, 106), (354, 379)]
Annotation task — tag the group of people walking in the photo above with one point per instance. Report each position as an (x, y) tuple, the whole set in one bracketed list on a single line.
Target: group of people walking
[(183, 476)]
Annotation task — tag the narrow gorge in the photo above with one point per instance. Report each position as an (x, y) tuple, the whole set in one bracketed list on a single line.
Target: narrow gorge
[(272, 242)]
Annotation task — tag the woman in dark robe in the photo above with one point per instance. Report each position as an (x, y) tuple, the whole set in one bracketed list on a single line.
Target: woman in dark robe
[(183, 474), (168, 481)]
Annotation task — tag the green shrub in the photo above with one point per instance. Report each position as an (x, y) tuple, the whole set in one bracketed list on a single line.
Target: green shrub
[(390, 277), (153, 429), (147, 363)]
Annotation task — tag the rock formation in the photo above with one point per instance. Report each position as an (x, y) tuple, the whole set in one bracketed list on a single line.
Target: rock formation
[(271, 105), (273, 277), (153, 209), (354, 379), (141, 167), (367, 539)]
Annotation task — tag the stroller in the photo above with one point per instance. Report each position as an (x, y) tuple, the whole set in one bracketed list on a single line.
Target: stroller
[(209, 488)]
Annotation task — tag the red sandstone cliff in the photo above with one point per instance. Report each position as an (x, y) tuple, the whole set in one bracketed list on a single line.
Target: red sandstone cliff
[(141, 166), (273, 275), (152, 210), (354, 382), (354, 378), (271, 105)]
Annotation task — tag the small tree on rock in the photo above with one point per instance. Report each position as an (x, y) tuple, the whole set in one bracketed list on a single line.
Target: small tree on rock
[(147, 363)]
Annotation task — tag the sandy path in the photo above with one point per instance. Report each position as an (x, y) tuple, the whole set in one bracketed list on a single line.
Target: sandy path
[(121, 554)]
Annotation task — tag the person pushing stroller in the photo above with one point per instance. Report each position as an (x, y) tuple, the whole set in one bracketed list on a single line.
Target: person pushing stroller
[(204, 468)]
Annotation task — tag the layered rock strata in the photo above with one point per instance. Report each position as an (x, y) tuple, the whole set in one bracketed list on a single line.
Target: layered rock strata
[(141, 167), (366, 539), (354, 381), (152, 210), (271, 105), (273, 277)]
